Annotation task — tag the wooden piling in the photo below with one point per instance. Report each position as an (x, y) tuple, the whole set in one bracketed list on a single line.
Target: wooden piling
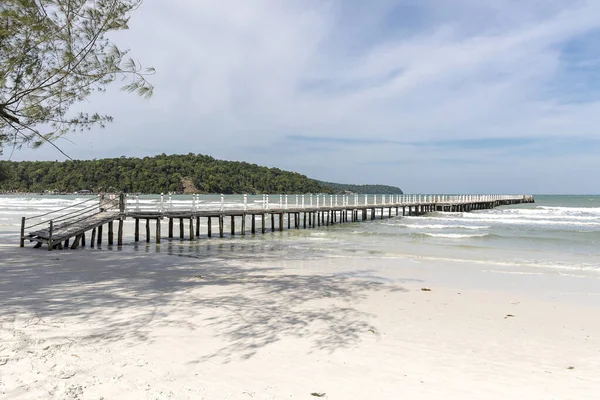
[(280, 222), (22, 239), (221, 232), (83, 239), (50, 243), (171, 228), (147, 230), (243, 229), (272, 222), (262, 219), (136, 235), (110, 233), (209, 227), (92, 240), (119, 234), (198, 227), (253, 224), (99, 241), (181, 228), (191, 228), (232, 225), (158, 227)]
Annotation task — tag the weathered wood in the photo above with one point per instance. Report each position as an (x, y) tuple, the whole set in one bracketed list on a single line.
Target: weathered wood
[(191, 228), (67, 242), (75, 242), (99, 241), (119, 233), (147, 230), (93, 239), (221, 233), (83, 239), (22, 239), (232, 225), (263, 227), (170, 228), (253, 223), (243, 229), (280, 222), (110, 233), (181, 228), (272, 222), (158, 228), (198, 227), (137, 230), (209, 227), (50, 236)]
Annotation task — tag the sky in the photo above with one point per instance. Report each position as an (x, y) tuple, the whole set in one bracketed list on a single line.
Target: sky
[(433, 96)]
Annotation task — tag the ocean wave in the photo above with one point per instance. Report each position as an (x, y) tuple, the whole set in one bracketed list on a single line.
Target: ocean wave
[(441, 226), (454, 235)]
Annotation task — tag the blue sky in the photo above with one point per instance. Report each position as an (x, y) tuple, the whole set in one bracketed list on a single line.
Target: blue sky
[(498, 96)]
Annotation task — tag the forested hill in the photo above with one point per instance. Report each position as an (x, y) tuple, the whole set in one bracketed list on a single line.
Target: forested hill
[(363, 189), (174, 173)]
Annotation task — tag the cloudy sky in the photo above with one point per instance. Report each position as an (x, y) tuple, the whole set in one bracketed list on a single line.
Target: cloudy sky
[(497, 96)]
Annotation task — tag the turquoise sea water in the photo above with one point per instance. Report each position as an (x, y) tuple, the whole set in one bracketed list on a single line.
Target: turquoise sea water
[(556, 234)]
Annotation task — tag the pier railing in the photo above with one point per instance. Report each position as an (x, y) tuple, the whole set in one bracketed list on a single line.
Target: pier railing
[(167, 203)]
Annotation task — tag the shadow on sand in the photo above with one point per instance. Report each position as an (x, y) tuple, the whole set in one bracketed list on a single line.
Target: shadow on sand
[(248, 306)]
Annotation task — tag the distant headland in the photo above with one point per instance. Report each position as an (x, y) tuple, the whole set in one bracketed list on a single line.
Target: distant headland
[(190, 173)]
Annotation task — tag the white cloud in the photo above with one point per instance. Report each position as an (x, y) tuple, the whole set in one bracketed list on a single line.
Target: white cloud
[(235, 75)]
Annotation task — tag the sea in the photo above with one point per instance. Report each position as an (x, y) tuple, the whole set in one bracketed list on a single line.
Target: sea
[(555, 235)]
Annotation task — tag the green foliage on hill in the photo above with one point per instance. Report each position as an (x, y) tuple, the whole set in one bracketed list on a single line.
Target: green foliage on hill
[(363, 189), (174, 173)]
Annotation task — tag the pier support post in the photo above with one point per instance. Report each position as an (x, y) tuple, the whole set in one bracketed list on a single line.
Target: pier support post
[(253, 224), (119, 235), (263, 222), (272, 222), (170, 228), (147, 230), (158, 230), (232, 225), (50, 243), (136, 236), (289, 219), (221, 233), (83, 239), (22, 239), (93, 239), (99, 242), (181, 228), (198, 227), (191, 228), (76, 242), (280, 222), (209, 227), (110, 233), (243, 231)]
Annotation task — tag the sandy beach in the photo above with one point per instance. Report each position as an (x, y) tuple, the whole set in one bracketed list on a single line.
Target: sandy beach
[(133, 325)]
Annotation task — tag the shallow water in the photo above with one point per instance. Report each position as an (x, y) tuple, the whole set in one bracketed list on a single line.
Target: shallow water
[(557, 234)]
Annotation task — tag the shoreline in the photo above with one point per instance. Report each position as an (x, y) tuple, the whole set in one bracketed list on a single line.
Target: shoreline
[(131, 324)]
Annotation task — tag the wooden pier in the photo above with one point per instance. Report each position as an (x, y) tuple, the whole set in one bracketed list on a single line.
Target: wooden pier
[(69, 228)]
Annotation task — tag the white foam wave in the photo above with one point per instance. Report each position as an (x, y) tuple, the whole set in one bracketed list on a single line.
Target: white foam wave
[(440, 226), (454, 235)]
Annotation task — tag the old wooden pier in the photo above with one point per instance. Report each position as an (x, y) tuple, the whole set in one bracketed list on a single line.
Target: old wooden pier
[(68, 227)]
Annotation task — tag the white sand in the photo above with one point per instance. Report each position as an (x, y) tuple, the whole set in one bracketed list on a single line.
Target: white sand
[(122, 325)]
